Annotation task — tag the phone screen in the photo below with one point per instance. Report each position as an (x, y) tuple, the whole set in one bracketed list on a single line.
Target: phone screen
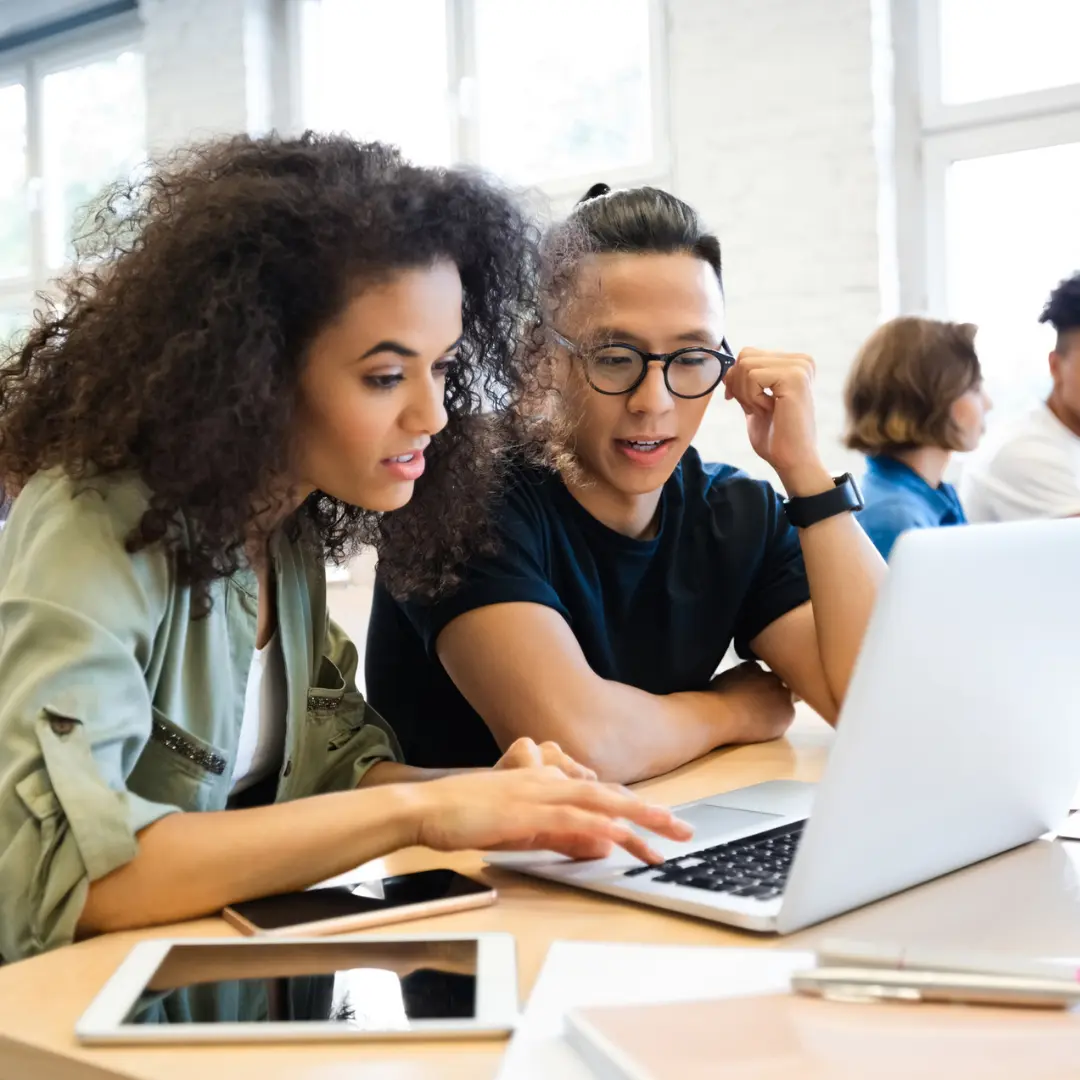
[(339, 901)]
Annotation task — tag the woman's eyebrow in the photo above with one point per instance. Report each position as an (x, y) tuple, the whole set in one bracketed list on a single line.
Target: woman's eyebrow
[(391, 347), (398, 349)]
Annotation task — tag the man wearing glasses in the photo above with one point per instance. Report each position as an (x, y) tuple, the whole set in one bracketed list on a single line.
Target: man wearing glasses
[(622, 580)]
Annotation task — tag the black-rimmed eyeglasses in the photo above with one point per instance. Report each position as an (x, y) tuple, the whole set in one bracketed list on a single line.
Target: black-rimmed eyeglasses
[(618, 368)]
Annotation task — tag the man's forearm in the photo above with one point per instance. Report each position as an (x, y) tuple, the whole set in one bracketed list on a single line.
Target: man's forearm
[(626, 734), (845, 571)]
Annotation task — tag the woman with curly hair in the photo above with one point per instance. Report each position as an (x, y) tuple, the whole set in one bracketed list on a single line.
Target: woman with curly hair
[(266, 345)]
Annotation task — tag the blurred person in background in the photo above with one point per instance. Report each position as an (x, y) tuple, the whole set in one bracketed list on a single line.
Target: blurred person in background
[(1033, 470), (269, 348), (914, 397)]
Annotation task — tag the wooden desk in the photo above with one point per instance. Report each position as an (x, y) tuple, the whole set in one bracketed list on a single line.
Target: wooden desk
[(1026, 901), (41, 999)]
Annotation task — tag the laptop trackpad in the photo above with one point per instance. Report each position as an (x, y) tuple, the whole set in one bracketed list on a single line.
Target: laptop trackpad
[(716, 822)]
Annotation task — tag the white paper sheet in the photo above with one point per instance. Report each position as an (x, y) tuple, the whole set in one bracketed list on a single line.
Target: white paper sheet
[(600, 973)]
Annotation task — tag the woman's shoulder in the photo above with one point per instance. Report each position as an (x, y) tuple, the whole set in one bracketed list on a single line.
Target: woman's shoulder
[(895, 512), (120, 498), (80, 525)]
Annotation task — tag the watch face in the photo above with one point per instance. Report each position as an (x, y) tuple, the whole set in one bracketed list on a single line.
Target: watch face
[(856, 491), (853, 485)]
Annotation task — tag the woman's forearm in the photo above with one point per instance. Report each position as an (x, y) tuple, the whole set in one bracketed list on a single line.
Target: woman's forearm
[(192, 864), (394, 772)]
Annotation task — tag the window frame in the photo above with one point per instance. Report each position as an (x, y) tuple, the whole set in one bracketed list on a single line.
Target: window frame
[(945, 133), (461, 76), (29, 65)]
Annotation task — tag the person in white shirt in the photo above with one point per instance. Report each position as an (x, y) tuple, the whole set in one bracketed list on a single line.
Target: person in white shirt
[(1035, 471)]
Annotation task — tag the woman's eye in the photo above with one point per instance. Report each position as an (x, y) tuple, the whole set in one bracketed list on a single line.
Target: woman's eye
[(384, 382), (441, 367)]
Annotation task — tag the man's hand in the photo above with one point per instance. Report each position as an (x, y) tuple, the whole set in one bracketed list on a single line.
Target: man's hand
[(525, 753), (775, 391), (761, 705)]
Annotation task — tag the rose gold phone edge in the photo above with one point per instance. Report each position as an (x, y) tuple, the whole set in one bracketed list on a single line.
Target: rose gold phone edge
[(345, 924)]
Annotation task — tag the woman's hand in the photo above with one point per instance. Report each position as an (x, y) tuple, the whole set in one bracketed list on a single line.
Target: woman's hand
[(525, 754), (536, 809)]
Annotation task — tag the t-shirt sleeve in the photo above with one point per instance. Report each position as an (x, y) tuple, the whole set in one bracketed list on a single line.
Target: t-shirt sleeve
[(1030, 478), (515, 572), (780, 584)]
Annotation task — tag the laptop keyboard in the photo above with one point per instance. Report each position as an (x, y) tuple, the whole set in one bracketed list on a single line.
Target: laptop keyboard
[(756, 866)]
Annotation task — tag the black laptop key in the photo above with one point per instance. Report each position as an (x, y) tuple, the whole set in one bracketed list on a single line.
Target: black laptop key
[(710, 884), (756, 866)]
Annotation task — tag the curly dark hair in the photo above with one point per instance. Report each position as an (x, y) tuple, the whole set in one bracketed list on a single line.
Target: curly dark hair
[(1062, 310), (175, 347)]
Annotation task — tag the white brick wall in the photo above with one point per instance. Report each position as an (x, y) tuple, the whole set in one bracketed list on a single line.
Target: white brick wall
[(209, 68), (772, 129)]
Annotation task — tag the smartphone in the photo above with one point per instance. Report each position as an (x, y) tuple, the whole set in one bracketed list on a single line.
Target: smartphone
[(867, 984), (340, 909)]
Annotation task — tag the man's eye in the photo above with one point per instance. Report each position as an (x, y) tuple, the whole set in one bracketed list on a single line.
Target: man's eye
[(694, 359), (614, 357)]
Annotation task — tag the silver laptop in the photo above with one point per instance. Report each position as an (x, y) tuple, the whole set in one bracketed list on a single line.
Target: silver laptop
[(959, 739)]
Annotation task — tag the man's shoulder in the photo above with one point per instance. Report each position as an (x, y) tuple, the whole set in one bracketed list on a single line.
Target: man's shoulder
[(528, 492), (1037, 441), (721, 483)]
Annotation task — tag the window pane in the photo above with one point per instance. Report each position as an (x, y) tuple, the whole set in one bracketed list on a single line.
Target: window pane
[(14, 211), (1005, 253), (992, 48), (12, 321), (576, 99), (377, 70), (95, 133)]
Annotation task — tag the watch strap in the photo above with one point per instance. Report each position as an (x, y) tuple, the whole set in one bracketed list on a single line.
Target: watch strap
[(844, 497)]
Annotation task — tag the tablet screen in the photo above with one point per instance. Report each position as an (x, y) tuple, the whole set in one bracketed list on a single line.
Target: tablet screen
[(374, 986)]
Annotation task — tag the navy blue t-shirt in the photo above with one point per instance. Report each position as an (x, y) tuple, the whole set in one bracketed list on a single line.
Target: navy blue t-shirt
[(657, 614)]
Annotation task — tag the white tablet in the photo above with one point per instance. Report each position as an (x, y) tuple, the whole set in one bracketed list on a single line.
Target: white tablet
[(256, 989)]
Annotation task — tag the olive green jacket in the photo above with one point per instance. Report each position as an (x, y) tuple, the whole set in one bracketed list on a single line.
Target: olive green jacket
[(118, 707)]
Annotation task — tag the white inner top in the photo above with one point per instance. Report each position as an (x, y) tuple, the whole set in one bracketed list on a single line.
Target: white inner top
[(262, 734)]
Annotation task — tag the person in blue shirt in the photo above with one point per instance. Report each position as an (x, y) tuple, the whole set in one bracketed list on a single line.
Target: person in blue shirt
[(914, 397), (617, 581)]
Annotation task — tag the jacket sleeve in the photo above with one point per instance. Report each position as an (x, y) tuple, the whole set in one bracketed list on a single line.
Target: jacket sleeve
[(370, 737), (78, 615)]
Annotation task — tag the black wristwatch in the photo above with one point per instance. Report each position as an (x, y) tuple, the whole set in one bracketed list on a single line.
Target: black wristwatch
[(810, 509)]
